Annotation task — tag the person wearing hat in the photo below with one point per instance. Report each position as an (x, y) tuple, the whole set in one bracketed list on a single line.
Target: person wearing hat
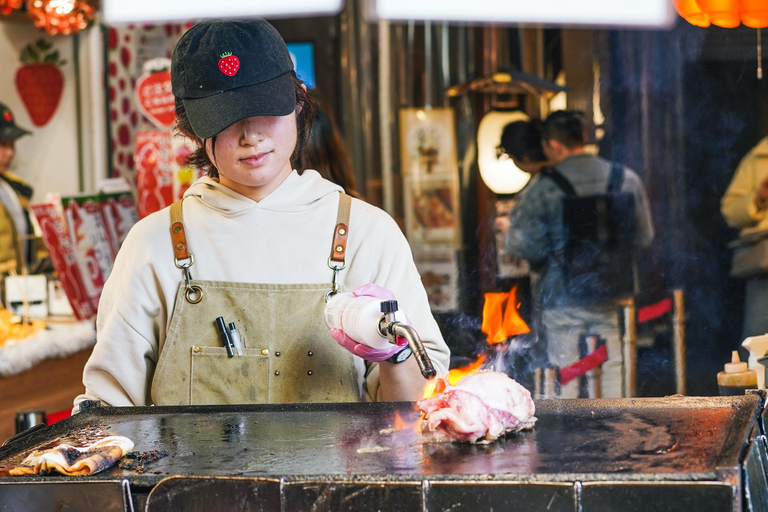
[(17, 248), (256, 246)]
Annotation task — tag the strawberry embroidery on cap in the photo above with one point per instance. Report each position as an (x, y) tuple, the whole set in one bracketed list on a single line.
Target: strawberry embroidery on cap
[(229, 64)]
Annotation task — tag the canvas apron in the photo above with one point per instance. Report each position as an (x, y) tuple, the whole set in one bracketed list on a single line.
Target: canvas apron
[(288, 353)]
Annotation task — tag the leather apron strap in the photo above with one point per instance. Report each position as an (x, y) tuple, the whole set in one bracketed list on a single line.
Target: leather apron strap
[(338, 250), (182, 257), (337, 260), (178, 237)]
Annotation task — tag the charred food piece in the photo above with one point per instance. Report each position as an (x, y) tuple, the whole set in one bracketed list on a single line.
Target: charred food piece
[(138, 460)]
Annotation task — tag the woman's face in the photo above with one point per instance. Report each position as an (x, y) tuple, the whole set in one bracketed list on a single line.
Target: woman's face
[(7, 152), (253, 155)]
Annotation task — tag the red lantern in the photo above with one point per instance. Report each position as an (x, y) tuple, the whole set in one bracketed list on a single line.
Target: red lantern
[(60, 16), (8, 6), (724, 13)]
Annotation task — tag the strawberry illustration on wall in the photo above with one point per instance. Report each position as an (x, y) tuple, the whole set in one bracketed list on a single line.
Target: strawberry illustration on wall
[(39, 81)]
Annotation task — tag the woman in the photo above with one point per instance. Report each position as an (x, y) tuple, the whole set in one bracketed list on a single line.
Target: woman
[(249, 244), (326, 153), (17, 243)]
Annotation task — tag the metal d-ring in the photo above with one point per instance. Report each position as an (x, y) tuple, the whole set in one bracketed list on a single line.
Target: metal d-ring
[(334, 282), (191, 289)]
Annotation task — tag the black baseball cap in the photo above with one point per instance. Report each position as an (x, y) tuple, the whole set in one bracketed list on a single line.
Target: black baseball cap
[(224, 71), (8, 129)]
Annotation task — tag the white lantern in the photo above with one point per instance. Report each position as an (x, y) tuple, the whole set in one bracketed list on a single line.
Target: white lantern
[(499, 173)]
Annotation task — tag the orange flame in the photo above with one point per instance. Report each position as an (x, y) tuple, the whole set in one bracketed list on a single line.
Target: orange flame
[(454, 376), (500, 317), (500, 321)]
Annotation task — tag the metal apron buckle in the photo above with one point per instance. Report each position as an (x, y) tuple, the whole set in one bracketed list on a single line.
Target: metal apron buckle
[(194, 293), (334, 282)]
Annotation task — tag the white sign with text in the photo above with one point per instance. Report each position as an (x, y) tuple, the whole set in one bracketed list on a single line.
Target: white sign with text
[(120, 11), (638, 13)]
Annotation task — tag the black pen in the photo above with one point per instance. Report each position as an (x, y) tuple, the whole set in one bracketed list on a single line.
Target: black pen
[(222, 327)]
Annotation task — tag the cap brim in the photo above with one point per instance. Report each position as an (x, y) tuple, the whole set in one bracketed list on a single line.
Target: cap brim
[(212, 114), (12, 133)]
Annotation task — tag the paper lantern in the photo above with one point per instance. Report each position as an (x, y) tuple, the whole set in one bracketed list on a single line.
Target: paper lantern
[(60, 16), (8, 6), (500, 175), (724, 13), (754, 13)]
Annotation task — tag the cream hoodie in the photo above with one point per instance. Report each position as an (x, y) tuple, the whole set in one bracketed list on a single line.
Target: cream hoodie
[(738, 203), (283, 239)]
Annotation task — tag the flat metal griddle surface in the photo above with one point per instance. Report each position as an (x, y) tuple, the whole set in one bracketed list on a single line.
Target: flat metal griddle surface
[(648, 439)]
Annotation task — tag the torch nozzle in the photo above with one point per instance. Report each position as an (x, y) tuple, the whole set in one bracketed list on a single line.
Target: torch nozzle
[(417, 347)]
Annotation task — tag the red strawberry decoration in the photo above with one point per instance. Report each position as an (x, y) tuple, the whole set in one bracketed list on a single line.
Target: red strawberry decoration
[(39, 81), (229, 64)]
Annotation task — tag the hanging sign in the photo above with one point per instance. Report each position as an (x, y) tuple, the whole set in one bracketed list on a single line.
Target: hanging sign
[(120, 11), (153, 93), (642, 13)]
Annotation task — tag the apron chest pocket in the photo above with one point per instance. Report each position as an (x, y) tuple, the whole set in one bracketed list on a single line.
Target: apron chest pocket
[(216, 378)]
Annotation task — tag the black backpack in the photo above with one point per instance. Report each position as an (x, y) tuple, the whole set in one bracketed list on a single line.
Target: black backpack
[(598, 257)]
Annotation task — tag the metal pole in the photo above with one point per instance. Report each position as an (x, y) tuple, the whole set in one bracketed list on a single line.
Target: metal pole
[(385, 119), (594, 376), (678, 340), (629, 346), (545, 382)]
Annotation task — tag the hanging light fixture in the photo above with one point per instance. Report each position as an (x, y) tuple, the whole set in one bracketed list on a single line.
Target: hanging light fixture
[(505, 86), (8, 6), (724, 13), (727, 14), (499, 173), (61, 16)]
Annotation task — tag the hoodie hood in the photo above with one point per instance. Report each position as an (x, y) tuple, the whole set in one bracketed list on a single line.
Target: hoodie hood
[(296, 194)]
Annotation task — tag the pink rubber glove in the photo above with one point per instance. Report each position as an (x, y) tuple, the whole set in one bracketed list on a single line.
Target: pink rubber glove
[(360, 349)]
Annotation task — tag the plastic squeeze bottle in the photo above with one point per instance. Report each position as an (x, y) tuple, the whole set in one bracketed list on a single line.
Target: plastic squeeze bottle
[(736, 377), (359, 318)]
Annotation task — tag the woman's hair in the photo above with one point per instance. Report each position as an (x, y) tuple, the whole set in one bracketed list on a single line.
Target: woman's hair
[(326, 152), (569, 127), (306, 108), (522, 141)]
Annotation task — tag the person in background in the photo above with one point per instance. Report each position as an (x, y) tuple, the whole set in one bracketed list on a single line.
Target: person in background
[(537, 234), (745, 207), (521, 141), (326, 153), (249, 246), (18, 249)]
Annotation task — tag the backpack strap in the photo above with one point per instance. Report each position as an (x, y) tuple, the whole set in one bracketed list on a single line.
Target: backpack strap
[(560, 180), (616, 179)]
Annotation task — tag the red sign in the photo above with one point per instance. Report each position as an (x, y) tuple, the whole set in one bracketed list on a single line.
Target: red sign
[(64, 257), (154, 173), (155, 98)]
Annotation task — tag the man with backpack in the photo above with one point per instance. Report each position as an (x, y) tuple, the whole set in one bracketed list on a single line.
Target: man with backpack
[(578, 226)]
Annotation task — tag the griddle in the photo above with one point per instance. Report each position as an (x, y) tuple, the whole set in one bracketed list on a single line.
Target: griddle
[(674, 453)]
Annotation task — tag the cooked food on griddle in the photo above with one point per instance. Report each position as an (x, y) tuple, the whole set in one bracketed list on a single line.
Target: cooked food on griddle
[(138, 461), (75, 460), (480, 408)]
